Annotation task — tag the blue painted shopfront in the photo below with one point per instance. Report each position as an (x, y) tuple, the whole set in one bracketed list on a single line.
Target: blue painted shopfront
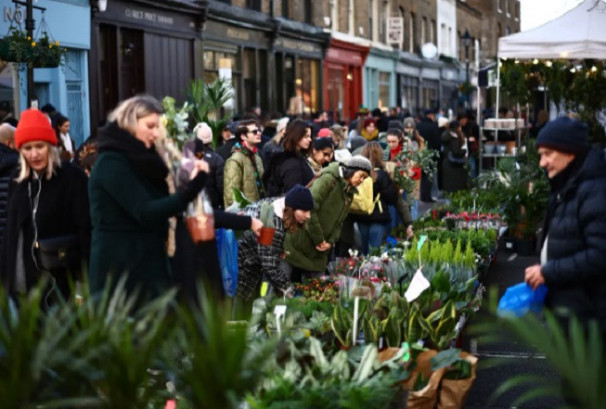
[(65, 87), (380, 78)]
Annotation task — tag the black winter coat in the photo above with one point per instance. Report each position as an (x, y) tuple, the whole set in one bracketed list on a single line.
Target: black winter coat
[(430, 131), (62, 209), (9, 161), (389, 197), (576, 249), (214, 184), (287, 169)]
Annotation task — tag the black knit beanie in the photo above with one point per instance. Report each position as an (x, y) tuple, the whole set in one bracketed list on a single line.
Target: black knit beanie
[(299, 198), (564, 134)]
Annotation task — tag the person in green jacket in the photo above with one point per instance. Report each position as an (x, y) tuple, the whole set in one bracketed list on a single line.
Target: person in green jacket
[(307, 250), (130, 202), (244, 168)]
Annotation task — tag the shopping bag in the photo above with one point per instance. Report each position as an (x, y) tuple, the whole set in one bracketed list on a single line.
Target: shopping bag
[(426, 397), (519, 299), (453, 392), (227, 248)]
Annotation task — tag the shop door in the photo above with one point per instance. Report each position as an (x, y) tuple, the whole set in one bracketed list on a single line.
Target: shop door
[(108, 70), (336, 98), (132, 80)]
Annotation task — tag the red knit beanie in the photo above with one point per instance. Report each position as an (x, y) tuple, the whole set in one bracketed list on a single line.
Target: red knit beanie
[(34, 126)]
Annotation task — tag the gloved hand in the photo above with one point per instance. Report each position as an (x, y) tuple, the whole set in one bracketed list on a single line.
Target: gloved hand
[(193, 187)]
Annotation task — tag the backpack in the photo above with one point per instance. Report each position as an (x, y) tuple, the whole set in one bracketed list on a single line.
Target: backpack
[(364, 201)]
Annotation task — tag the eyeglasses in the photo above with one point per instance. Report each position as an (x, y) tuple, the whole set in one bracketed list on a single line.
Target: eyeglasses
[(253, 131)]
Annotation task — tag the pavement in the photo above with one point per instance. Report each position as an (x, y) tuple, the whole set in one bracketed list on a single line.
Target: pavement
[(514, 358)]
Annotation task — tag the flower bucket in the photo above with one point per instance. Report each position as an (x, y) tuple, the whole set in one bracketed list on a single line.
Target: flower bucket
[(201, 228), (267, 235)]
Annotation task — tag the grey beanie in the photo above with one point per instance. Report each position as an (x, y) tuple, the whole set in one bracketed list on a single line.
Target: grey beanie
[(359, 162), (410, 123)]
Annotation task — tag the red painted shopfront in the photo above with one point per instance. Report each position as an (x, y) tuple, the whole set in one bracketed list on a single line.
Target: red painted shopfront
[(343, 78)]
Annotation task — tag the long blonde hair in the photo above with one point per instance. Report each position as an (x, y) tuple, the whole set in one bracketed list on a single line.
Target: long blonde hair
[(130, 110), (54, 162)]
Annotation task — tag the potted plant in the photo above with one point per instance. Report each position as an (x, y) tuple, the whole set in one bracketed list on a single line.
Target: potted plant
[(269, 228), (19, 46)]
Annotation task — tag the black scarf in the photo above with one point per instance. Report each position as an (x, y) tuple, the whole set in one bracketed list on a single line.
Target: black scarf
[(145, 162)]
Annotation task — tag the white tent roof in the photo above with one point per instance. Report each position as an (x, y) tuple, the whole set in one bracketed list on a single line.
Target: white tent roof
[(578, 34)]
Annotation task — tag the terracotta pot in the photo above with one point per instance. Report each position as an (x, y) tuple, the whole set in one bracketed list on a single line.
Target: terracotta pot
[(201, 228), (267, 235)]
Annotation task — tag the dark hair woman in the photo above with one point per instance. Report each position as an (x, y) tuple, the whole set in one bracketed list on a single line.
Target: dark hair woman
[(290, 167), (65, 143)]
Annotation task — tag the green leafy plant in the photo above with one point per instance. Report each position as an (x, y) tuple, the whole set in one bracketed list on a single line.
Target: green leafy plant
[(207, 100), (19, 46), (175, 121), (575, 352), (267, 215)]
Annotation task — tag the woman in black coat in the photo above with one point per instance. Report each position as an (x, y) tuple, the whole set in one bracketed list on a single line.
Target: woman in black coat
[(290, 167), (372, 227), (48, 199), (455, 176)]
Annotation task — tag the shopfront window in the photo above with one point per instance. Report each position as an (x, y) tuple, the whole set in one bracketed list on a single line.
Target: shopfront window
[(308, 78), (336, 92), (408, 93), (429, 93), (213, 60), (384, 79)]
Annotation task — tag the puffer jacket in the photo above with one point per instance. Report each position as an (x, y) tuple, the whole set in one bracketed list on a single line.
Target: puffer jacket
[(576, 247), (239, 172), (332, 200)]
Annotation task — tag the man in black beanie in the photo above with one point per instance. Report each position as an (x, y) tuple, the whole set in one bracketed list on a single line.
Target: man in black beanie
[(573, 251)]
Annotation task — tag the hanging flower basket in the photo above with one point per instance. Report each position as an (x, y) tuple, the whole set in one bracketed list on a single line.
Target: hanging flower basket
[(19, 47)]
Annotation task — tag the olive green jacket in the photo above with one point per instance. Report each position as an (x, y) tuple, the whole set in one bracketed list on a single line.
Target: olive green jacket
[(332, 200), (239, 172)]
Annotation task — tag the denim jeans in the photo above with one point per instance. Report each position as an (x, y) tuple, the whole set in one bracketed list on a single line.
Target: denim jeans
[(372, 235)]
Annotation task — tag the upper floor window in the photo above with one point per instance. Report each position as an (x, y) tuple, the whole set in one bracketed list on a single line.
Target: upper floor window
[(500, 6), (423, 30), (516, 11), (308, 12), (286, 8), (411, 33), (334, 14), (432, 32), (254, 4)]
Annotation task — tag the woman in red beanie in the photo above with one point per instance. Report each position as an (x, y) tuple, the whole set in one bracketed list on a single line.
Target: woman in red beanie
[(47, 208), (130, 203)]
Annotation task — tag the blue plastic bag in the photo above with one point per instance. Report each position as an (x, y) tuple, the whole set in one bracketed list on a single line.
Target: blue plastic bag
[(227, 248), (519, 299)]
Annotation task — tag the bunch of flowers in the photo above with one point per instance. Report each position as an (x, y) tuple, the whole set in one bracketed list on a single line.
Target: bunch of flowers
[(410, 163), (474, 220), (19, 46), (319, 289), (347, 266)]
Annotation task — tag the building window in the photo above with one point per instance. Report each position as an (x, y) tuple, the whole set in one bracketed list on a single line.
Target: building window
[(432, 32), (423, 30), (411, 33), (409, 91), (500, 6), (254, 4), (444, 40), (383, 22), (507, 8), (308, 11), (286, 8), (384, 87)]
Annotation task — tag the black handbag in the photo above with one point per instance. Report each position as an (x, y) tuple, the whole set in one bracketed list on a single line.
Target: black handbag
[(59, 253)]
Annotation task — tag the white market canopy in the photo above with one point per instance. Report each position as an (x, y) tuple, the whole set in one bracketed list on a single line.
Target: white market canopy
[(578, 34)]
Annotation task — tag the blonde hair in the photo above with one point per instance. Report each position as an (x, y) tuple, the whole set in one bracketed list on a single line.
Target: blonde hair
[(7, 134), (54, 162), (132, 109)]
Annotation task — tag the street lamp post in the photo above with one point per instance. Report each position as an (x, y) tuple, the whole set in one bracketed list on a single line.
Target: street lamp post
[(466, 43)]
